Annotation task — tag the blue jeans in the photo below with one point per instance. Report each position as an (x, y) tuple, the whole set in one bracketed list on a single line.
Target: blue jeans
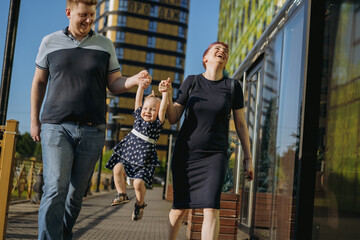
[(70, 152)]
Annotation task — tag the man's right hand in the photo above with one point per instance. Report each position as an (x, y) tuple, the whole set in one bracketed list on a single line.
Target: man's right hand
[(35, 129)]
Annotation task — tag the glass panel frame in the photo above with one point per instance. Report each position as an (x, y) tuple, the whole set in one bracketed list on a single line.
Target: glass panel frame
[(251, 97)]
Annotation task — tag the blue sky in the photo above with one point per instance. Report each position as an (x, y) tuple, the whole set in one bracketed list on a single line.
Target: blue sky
[(41, 17)]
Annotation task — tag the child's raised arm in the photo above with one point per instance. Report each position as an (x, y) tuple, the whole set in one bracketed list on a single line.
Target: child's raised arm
[(139, 96), (163, 88)]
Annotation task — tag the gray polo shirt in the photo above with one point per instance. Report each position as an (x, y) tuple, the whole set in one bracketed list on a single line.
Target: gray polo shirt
[(77, 76)]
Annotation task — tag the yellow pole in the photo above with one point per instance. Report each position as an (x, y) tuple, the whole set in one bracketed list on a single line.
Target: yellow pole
[(8, 145)]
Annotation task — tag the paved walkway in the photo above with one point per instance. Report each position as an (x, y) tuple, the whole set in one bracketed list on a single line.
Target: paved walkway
[(98, 220)]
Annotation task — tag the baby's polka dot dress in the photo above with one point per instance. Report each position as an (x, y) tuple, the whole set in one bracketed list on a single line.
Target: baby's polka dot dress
[(138, 156)]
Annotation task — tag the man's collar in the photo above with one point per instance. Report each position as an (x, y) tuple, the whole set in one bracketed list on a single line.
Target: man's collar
[(66, 31)]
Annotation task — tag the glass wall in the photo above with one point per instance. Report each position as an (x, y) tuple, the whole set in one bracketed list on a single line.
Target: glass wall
[(337, 193), (280, 130), (288, 130), (265, 171), (273, 98)]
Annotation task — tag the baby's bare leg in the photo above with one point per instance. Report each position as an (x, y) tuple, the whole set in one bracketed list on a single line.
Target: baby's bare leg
[(119, 178), (140, 191)]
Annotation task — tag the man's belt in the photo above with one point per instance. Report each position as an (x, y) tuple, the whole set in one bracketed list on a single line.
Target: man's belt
[(142, 136)]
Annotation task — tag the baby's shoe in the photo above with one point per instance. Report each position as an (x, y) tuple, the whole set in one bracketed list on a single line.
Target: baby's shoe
[(138, 212), (120, 198)]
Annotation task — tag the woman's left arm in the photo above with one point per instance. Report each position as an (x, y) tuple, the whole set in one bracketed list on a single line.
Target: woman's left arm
[(243, 133)]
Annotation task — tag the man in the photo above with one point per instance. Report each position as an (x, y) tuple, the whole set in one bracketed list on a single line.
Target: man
[(76, 65)]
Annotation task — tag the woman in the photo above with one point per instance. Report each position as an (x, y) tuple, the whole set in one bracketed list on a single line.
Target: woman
[(198, 163)]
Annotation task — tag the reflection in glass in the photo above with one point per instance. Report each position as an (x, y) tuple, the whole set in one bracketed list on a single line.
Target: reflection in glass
[(288, 130), (250, 112), (267, 139), (337, 201)]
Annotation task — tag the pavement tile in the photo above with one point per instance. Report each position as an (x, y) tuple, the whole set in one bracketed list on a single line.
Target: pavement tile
[(99, 220)]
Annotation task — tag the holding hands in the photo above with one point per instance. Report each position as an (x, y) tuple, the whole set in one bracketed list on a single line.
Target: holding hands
[(165, 85), (143, 79)]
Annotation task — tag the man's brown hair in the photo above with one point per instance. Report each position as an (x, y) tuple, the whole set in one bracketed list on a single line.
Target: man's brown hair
[(76, 2)]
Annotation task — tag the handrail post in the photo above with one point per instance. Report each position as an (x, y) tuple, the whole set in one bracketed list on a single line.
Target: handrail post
[(8, 146), (31, 178)]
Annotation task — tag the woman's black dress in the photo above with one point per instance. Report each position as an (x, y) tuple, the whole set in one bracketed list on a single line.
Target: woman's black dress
[(198, 162)]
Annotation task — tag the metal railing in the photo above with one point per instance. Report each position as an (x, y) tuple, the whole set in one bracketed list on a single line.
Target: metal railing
[(25, 172)]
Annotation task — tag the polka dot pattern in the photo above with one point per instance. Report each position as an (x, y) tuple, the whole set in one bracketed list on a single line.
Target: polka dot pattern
[(138, 156)]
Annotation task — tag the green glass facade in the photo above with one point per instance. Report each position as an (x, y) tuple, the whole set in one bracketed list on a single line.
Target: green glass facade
[(241, 24)]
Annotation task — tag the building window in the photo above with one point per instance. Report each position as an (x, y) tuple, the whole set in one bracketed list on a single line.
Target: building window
[(181, 32), (179, 62), (249, 11), (242, 20), (120, 37), (175, 93), (254, 40), (152, 26), (123, 5), (151, 41), (97, 12), (237, 28), (119, 52), (150, 57), (121, 21), (96, 26), (183, 17), (177, 78), (180, 47), (154, 11), (148, 90), (184, 3), (110, 119), (112, 103), (105, 21), (107, 5), (151, 72), (108, 135)]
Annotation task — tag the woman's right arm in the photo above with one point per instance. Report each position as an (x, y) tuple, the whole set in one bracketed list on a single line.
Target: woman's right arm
[(174, 112)]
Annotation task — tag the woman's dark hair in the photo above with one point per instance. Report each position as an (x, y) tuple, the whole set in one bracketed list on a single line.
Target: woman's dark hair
[(210, 46)]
